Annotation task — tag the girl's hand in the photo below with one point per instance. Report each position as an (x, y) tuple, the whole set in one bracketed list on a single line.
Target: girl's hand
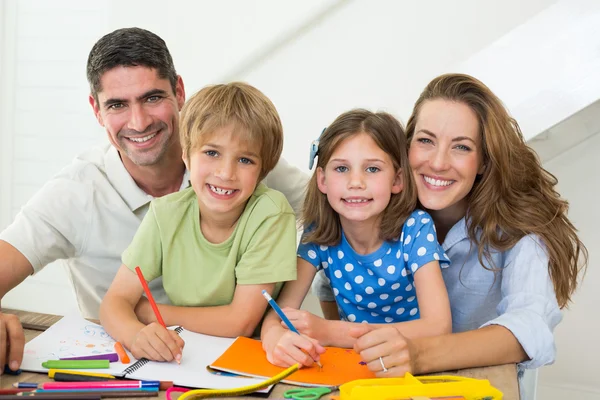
[(308, 324), (285, 350), (389, 344), (157, 343)]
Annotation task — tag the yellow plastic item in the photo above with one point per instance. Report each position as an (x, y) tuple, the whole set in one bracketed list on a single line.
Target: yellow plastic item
[(428, 386)]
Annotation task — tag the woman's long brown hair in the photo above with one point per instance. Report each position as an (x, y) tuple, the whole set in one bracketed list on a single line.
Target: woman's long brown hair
[(515, 196)]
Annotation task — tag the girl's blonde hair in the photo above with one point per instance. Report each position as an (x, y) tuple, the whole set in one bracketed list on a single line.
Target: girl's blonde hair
[(318, 215), (515, 195)]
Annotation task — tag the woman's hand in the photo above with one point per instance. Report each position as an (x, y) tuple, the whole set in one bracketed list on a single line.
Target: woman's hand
[(285, 348), (386, 352), (308, 324), (157, 343)]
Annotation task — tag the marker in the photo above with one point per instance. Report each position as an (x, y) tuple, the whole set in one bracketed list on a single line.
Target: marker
[(52, 373), (116, 384), (77, 364), (62, 377), (140, 275), (51, 391), (122, 353), (285, 319), (111, 357)]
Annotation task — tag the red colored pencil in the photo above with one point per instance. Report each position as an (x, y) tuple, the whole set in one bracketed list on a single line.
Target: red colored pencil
[(16, 390), (149, 295)]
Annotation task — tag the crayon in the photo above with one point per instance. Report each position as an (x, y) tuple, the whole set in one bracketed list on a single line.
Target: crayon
[(77, 364), (122, 353), (111, 357)]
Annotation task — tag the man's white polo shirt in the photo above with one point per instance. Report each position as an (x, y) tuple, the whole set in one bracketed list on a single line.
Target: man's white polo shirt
[(85, 216)]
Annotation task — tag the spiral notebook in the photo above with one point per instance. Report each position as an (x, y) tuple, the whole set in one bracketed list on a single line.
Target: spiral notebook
[(74, 336)]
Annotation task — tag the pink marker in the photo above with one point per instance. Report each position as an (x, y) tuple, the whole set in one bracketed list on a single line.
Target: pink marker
[(112, 384)]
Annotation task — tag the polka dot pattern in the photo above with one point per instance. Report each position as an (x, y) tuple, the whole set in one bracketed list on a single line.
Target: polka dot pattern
[(379, 287)]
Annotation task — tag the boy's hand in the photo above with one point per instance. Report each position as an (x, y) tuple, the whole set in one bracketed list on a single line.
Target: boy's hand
[(12, 342), (285, 350), (157, 343), (308, 324), (387, 343)]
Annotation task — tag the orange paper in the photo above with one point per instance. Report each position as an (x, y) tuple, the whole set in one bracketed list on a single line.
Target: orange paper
[(247, 357)]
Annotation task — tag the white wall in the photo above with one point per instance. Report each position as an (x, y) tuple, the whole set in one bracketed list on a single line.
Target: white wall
[(314, 59), (575, 372)]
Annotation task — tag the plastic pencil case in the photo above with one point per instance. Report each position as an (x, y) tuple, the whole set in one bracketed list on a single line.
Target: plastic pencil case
[(427, 386)]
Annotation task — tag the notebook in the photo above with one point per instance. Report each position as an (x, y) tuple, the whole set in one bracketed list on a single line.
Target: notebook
[(74, 336), (247, 357)]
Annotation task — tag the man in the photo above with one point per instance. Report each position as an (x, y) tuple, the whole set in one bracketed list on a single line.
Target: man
[(89, 212)]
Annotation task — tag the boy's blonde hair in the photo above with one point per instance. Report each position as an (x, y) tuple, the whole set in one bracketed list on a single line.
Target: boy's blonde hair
[(238, 103)]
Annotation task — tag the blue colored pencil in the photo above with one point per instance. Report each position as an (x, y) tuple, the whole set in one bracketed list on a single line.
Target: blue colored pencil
[(281, 314), (25, 385)]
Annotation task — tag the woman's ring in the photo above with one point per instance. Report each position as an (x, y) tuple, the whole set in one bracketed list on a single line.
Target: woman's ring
[(382, 364)]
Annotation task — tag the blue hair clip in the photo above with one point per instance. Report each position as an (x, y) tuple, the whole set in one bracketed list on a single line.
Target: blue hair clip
[(314, 150)]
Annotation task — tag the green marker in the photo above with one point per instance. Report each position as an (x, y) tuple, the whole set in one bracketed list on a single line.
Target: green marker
[(76, 364)]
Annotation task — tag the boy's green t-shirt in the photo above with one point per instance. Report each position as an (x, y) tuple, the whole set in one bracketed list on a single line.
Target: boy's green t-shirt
[(195, 272)]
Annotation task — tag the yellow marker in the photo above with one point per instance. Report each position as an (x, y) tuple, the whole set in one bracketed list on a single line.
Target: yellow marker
[(51, 373)]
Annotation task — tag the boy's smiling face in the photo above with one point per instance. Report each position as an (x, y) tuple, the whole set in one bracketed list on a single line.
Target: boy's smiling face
[(224, 172)]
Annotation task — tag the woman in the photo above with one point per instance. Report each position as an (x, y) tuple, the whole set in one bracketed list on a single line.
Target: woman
[(515, 255)]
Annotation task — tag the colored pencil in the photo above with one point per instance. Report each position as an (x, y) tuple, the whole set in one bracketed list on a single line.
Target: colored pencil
[(281, 314), (62, 377), (116, 384), (111, 357), (16, 390), (104, 395), (54, 371), (122, 353), (25, 385), (149, 295), (65, 396)]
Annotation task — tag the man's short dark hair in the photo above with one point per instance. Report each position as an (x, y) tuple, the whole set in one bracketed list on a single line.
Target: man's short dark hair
[(129, 47)]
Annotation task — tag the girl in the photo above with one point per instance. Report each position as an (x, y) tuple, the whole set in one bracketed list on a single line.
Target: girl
[(516, 255), (380, 255)]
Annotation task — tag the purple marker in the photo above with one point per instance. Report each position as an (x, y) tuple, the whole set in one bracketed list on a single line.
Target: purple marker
[(111, 357)]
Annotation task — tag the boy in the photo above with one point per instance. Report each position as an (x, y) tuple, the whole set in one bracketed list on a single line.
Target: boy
[(216, 244)]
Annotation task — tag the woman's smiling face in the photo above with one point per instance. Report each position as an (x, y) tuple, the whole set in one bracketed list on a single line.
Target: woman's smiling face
[(445, 155)]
